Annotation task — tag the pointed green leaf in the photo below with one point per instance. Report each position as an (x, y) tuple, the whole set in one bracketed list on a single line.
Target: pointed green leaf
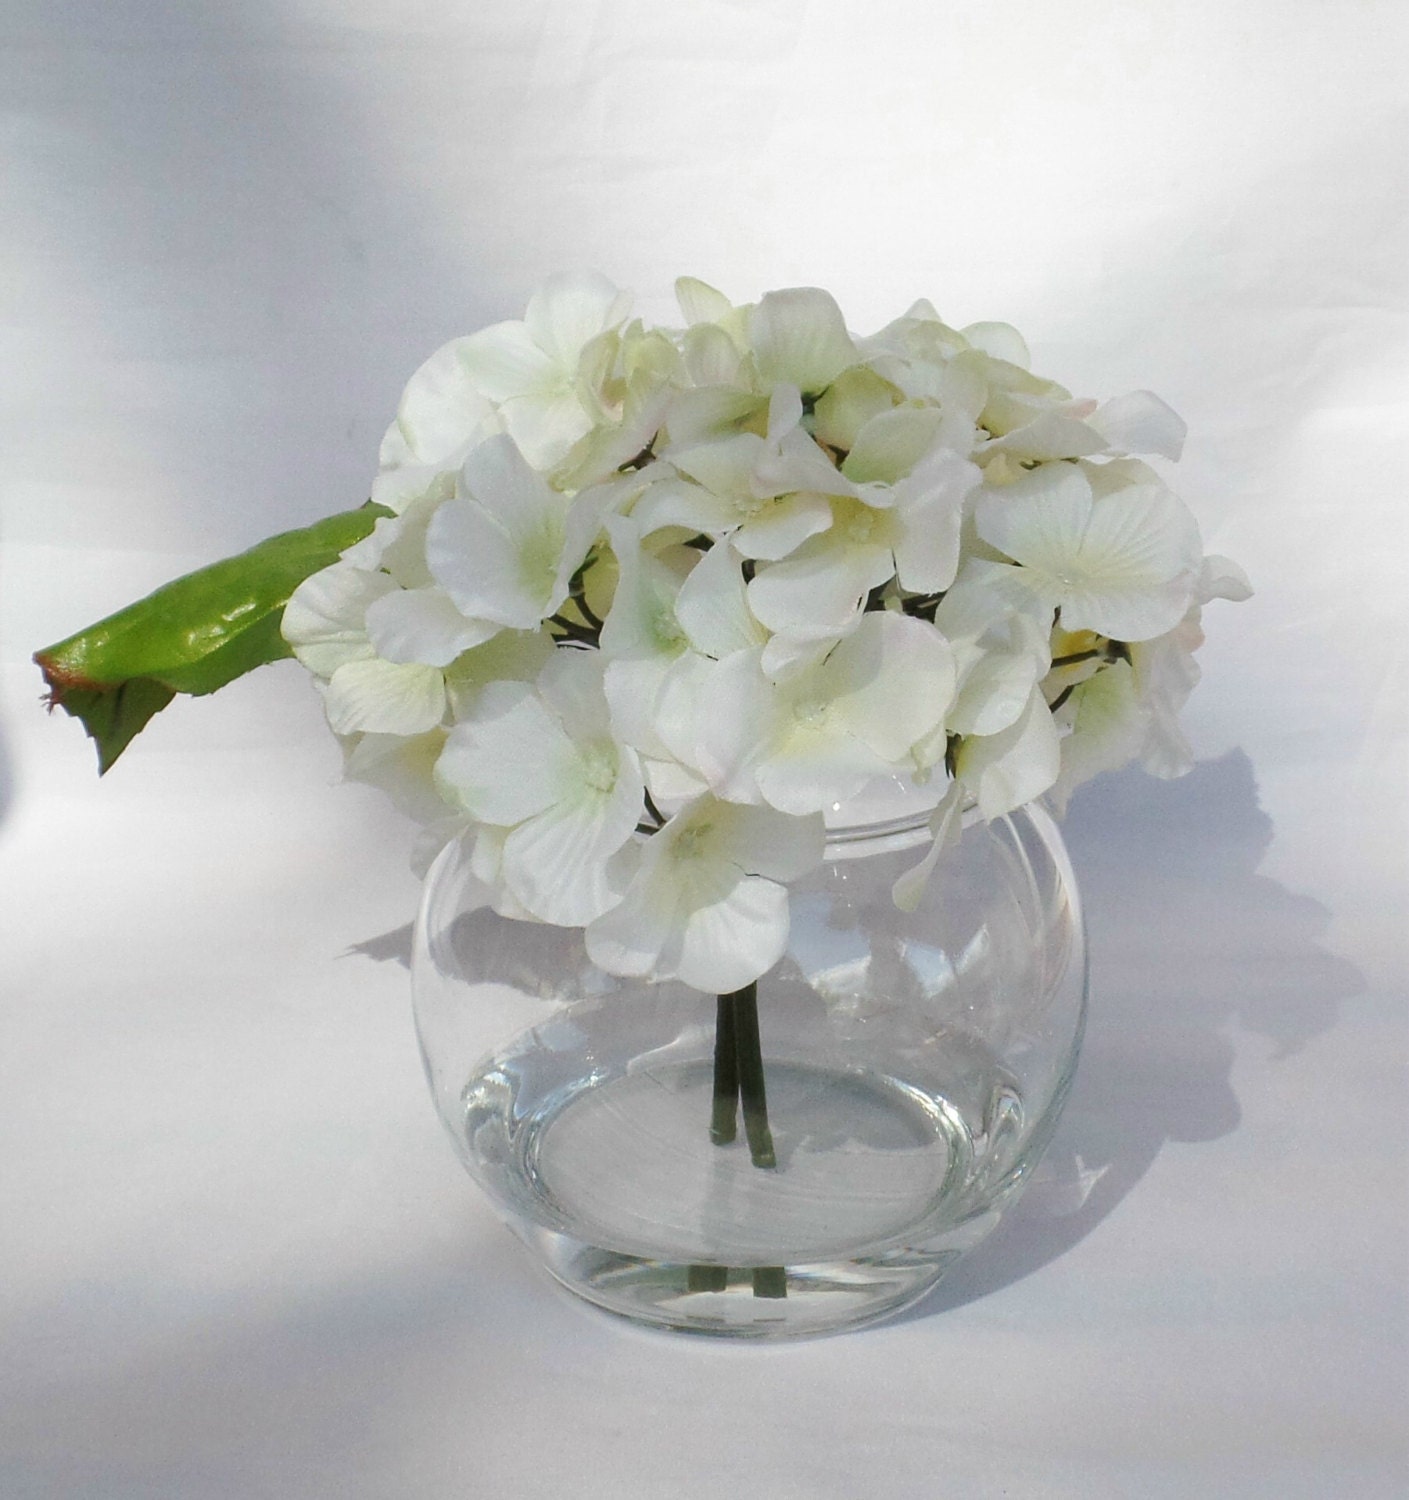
[(192, 635)]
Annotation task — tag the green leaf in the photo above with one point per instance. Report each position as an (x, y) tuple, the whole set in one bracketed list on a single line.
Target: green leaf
[(192, 635)]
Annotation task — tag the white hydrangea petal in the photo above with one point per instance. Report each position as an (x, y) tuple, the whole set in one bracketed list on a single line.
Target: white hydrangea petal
[(797, 463), (963, 394), (784, 411), (736, 938), (509, 656), (641, 621), (504, 361), (399, 488), (1138, 563), (726, 728), (1049, 435), (996, 687), (1039, 520), (780, 527), (1222, 578), (699, 302), (325, 620), (724, 466), (852, 400), (402, 767), (691, 506), (569, 310), (946, 827), (711, 356), (1008, 769), (558, 863), (891, 444), (632, 938), (808, 770), (633, 687), (509, 759), (820, 588), (1140, 422), (1109, 726), (799, 337), (571, 684), (1165, 675), (707, 412), (762, 841), (785, 656), (670, 783), (1145, 530), (1133, 611), (497, 549), (443, 407), (481, 567), (889, 682), (383, 697), (930, 512), (546, 427), (999, 341), (581, 529), (712, 606), (423, 625)]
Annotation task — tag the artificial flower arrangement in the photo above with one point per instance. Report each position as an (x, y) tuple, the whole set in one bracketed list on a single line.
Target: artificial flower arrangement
[(636, 608)]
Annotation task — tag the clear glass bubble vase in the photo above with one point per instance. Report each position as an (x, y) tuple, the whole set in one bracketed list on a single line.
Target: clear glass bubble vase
[(804, 1157)]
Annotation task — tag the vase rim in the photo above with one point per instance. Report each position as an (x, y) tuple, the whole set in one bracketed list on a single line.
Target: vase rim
[(888, 807)]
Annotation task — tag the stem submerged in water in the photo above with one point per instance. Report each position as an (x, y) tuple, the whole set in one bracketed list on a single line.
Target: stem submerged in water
[(749, 1053), (738, 1079), (724, 1123), (738, 1076)]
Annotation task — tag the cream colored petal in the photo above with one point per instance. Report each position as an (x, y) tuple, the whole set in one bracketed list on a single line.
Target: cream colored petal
[(946, 826), (799, 336), (999, 341), (891, 444), (382, 697), (779, 527), (1006, 770), (761, 841), (818, 590), (558, 863), (569, 310), (889, 682), (503, 361), (700, 302), (325, 620), (509, 759), (734, 939), (712, 606), (1139, 422), (441, 409)]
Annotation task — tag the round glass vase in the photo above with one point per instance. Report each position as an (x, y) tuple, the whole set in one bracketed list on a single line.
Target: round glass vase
[(913, 1066)]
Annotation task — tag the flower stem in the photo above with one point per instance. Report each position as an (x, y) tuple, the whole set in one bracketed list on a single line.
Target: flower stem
[(749, 1054), (724, 1123)]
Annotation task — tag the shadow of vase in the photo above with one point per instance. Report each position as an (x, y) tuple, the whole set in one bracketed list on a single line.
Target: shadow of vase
[(1188, 941)]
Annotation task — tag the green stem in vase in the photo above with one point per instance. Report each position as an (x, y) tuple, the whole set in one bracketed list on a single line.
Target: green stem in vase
[(724, 1122), (749, 1054)]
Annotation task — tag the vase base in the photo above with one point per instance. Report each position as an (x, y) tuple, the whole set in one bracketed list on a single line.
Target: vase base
[(759, 1302), (615, 1182)]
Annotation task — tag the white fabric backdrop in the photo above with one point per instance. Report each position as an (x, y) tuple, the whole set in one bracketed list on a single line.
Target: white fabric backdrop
[(236, 1259)]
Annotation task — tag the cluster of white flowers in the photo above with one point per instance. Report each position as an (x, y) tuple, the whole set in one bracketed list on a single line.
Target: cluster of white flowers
[(652, 602)]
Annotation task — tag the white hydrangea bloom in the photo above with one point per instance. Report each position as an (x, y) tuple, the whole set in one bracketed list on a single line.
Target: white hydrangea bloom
[(650, 601), (541, 763), (707, 904), (534, 371), (1123, 563)]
